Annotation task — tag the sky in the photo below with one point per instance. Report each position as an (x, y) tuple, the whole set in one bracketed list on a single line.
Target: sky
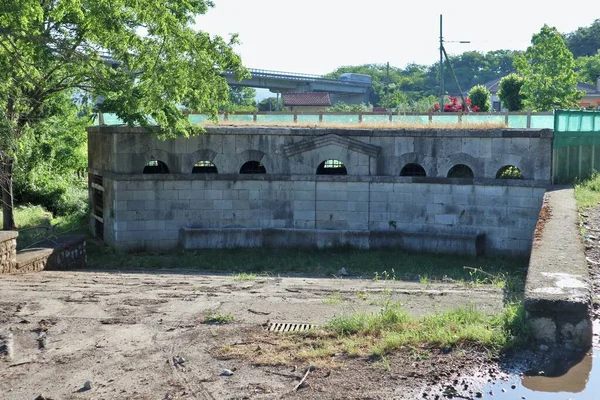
[(317, 36)]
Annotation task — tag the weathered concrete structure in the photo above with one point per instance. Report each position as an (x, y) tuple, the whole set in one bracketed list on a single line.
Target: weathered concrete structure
[(272, 187), (558, 296)]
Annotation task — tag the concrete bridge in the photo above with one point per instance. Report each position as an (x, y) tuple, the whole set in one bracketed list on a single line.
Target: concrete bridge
[(351, 92)]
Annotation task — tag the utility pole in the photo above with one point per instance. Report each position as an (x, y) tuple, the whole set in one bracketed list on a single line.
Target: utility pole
[(441, 67), (442, 54)]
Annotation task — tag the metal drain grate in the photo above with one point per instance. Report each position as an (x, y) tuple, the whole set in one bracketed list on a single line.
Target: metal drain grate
[(281, 327)]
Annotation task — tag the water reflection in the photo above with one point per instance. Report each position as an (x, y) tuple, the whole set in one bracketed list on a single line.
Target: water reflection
[(561, 377), (562, 380)]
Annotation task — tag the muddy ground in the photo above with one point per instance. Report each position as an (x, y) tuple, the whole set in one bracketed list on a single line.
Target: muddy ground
[(121, 332)]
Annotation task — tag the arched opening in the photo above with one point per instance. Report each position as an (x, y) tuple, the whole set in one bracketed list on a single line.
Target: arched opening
[(253, 167), (204, 167), (413, 170), (460, 171), (156, 167), (509, 172), (332, 167)]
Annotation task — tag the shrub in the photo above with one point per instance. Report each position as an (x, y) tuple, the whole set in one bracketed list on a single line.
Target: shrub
[(480, 97)]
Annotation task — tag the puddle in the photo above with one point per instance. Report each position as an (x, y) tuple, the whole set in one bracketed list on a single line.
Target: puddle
[(580, 381)]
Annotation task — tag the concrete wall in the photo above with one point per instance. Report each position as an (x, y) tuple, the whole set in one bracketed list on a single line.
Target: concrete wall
[(148, 211)]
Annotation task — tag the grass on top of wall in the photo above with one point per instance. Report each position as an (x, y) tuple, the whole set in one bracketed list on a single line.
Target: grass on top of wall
[(367, 125), (587, 192), (376, 264)]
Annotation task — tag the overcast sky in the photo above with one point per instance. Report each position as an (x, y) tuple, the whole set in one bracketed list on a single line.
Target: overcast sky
[(317, 36)]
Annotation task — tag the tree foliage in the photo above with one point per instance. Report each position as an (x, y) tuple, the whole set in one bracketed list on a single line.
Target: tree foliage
[(480, 97), (588, 68), (585, 41), (51, 159), (157, 63), (240, 99), (391, 84), (268, 104), (510, 92), (548, 71)]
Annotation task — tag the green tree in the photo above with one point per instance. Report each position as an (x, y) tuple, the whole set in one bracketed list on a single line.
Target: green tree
[(510, 92), (588, 68), (585, 41), (392, 97), (268, 104), (157, 63), (548, 70), (51, 160), (240, 99), (480, 97)]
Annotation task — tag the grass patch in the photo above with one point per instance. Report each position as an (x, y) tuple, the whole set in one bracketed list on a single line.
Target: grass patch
[(392, 329), (218, 318), (367, 125), (587, 192), (35, 224), (377, 264), (243, 276), (334, 299)]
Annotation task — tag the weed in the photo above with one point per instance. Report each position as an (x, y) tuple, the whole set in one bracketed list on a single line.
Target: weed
[(244, 277), (334, 299), (383, 363), (587, 192), (218, 318), (423, 279)]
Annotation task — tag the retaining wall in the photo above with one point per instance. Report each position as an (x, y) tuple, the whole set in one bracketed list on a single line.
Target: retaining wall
[(558, 288)]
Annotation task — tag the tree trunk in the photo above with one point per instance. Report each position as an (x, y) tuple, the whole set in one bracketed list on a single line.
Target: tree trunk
[(8, 223)]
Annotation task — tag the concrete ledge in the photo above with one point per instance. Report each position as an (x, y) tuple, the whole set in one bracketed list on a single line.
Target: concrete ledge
[(558, 288), (66, 252), (32, 260), (204, 238), (8, 235)]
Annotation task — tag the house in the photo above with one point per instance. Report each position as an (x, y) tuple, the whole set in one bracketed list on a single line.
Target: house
[(307, 101), (590, 99)]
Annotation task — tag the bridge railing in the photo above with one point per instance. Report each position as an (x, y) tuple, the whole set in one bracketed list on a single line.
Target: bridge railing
[(265, 73)]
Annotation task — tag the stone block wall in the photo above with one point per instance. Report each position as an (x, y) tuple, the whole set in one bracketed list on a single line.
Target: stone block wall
[(148, 215), (148, 212), (8, 251)]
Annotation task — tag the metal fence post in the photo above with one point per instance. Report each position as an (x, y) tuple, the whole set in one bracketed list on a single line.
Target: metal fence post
[(506, 118), (528, 119), (320, 117), (295, 116), (360, 117), (254, 116)]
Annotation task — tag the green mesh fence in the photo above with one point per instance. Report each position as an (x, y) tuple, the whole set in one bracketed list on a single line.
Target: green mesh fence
[(514, 121), (576, 153)]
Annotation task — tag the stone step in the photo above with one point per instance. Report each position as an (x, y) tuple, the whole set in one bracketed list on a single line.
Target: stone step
[(32, 260)]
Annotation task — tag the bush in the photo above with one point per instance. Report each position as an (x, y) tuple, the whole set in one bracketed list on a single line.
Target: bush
[(510, 92), (480, 97)]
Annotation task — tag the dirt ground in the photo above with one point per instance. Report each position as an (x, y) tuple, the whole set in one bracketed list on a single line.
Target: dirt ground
[(141, 336)]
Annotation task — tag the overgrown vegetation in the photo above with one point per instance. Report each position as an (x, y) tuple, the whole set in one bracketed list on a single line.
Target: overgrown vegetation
[(51, 160), (36, 223), (587, 192), (377, 335), (377, 264)]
